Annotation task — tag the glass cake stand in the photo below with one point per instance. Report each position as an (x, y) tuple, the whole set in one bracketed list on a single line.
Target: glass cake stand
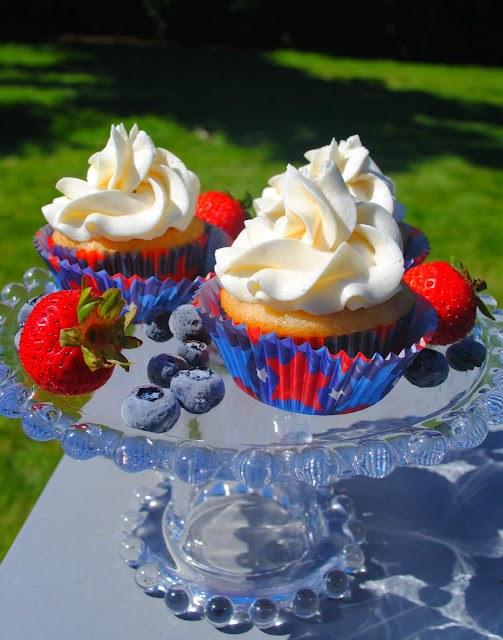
[(247, 523)]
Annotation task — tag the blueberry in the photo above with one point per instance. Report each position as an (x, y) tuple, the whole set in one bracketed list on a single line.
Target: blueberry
[(27, 308), (186, 324), (198, 390), (156, 325), (150, 408), (466, 354), (197, 354), (163, 367), (429, 369)]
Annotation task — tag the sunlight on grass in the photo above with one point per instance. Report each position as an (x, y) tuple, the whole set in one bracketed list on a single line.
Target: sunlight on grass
[(20, 55), (461, 82), (50, 97)]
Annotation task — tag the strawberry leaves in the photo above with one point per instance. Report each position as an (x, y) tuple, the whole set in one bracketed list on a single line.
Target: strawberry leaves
[(101, 332)]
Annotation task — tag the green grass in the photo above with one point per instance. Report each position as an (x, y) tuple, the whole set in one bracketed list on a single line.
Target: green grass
[(236, 119)]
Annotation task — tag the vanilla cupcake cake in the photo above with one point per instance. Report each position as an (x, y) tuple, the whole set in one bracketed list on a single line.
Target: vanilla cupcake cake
[(130, 224), (309, 310)]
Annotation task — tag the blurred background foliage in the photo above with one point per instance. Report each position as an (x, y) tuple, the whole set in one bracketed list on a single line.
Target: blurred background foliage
[(237, 94), (422, 31)]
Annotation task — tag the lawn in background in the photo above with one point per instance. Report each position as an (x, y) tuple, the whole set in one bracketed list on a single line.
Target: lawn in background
[(237, 118)]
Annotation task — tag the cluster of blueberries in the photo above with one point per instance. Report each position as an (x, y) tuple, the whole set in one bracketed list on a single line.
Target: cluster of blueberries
[(430, 368), (180, 381)]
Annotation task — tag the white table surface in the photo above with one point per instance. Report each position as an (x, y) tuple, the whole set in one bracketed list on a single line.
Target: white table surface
[(63, 577), (434, 560)]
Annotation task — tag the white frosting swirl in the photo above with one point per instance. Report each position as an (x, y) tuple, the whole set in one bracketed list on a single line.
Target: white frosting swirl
[(324, 253), (364, 180), (133, 190)]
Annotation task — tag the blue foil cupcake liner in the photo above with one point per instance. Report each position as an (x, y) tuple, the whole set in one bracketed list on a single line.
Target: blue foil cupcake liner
[(416, 248), (301, 379), (190, 260)]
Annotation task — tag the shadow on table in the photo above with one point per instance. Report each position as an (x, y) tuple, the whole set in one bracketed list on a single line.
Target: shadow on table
[(434, 555), (245, 96)]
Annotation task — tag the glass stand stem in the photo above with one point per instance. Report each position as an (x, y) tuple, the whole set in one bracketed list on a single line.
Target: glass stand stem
[(229, 553)]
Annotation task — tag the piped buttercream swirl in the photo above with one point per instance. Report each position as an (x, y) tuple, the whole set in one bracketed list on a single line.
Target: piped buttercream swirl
[(363, 178), (133, 190), (324, 252)]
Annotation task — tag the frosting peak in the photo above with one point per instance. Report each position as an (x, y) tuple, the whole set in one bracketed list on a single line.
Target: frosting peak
[(125, 161), (133, 190), (320, 211), (324, 253), (363, 178)]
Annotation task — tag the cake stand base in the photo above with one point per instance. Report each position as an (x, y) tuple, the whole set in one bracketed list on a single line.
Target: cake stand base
[(240, 557)]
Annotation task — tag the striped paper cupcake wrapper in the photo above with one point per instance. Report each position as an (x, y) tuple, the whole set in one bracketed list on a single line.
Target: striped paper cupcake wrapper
[(177, 263), (165, 294), (302, 379)]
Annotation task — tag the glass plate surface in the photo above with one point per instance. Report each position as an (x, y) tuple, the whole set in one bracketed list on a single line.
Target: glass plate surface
[(243, 439)]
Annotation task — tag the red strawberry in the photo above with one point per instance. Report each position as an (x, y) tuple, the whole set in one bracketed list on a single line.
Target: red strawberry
[(72, 340), (222, 210), (452, 292)]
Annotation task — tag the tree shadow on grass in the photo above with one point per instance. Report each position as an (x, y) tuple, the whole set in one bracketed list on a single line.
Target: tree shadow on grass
[(251, 101)]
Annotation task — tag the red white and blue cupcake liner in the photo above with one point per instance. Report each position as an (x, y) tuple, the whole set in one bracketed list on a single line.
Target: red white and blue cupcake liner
[(416, 248), (166, 294), (303, 379), (187, 261)]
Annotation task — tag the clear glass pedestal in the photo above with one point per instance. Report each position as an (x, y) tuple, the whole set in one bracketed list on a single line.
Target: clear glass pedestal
[(243, 551), (247, 523)]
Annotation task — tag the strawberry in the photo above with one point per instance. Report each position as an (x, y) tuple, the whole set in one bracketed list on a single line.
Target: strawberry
[(72, 340), (452, 293), (222, 210)]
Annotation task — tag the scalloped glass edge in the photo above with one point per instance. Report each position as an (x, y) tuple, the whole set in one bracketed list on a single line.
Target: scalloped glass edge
[(196, 462)]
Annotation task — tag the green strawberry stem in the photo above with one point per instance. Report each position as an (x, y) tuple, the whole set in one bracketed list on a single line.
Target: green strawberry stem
[(477, 284), (483, 308), (245, 202), (101, 330)]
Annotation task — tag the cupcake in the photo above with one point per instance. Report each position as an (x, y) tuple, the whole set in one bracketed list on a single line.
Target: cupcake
[(130, 224), (365, 182), (309, 309)]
